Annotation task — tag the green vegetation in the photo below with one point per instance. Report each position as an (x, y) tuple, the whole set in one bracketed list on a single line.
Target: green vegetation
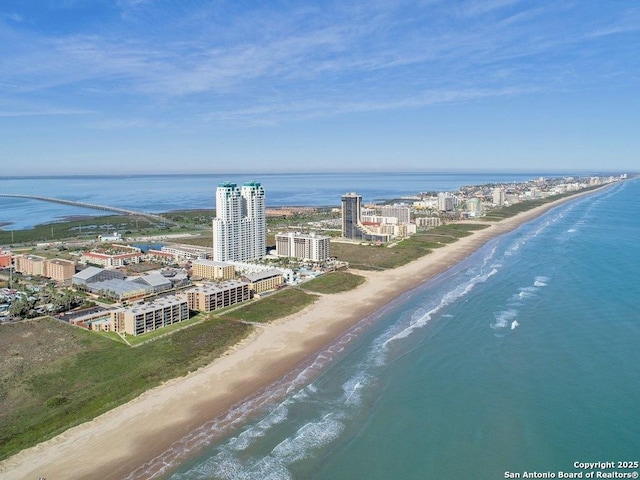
[(54, 376), (512, 210), (195, 218), (382, 257), (276, 305), (135, 340), (83, 228), (334, 282)]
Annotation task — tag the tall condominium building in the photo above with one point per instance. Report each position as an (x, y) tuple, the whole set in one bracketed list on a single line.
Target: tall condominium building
[(474, 206), (351, 208), (352, 226), (240, 226), (446, 202), (498, 196)]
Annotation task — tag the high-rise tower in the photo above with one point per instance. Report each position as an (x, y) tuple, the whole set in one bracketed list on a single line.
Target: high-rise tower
[(351, 205), (240, 226)]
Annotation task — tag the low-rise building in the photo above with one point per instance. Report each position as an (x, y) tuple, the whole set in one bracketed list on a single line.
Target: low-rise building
[(210, 297), (5, 258), (428, 221), (264, 281), (147, 317), (120, 290), (158, 282), (166, 258), (61, 271), (107, 260), (94, 274), (30, 265), (187, 252), (212, 270)]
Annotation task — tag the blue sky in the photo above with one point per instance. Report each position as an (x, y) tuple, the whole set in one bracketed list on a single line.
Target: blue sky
[(146, 86)]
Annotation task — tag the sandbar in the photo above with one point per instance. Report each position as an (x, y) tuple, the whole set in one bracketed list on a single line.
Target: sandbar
[(118, 442)]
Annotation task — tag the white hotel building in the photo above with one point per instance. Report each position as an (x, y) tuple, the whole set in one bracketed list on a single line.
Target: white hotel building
[(303, 246), (240, 226)]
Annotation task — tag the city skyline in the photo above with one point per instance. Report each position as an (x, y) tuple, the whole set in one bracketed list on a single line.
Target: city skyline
[(144, 86)]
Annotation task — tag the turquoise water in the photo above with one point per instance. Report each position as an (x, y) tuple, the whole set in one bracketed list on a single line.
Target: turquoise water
[(523, 358)]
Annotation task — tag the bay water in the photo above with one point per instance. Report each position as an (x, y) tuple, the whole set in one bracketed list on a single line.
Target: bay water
[(523, 358), (164, 193)]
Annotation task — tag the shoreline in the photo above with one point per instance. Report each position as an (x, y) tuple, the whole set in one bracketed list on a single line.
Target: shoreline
[(133, 434)]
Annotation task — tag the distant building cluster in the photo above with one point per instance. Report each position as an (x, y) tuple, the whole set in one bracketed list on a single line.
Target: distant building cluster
[(375, 225)]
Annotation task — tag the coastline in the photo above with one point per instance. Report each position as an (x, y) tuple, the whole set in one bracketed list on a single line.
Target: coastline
[(114, 444)]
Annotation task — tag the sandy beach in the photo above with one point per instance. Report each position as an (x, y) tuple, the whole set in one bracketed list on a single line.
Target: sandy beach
[(119, 441)]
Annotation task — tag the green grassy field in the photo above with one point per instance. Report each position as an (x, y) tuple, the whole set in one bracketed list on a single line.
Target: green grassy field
[(275, 305), (333, 282), (383, 257), (54, 376)]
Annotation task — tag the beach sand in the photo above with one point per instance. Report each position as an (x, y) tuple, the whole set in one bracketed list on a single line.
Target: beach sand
[(119, 441)]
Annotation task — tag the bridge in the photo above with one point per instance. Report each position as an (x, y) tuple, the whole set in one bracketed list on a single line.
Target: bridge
[(73, 203)]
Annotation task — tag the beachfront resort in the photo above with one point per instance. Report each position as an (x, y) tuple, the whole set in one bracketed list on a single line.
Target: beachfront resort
[(102, 279)]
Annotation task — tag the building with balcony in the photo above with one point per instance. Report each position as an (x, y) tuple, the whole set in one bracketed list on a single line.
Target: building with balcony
[(61, 271), (210, 297), (303, 246), (30, 265), (147, 317), (240, 226), (352, 226), (5, 258), (264, 281), (212, 270)]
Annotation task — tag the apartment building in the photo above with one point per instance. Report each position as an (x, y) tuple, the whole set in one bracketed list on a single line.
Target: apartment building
[(401, 212), (30, 265), (304, 246), (147, 317), (428, 221), (207, 298), (264, 281), (5, 258), (212, 270), (107, 260), (61, 271), (186, 252)]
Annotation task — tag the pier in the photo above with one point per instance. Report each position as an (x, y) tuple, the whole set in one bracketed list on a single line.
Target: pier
[(73, 203)]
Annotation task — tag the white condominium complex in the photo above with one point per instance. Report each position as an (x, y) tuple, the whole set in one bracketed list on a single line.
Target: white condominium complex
[(401, 212), (240, 226), (303, 246)]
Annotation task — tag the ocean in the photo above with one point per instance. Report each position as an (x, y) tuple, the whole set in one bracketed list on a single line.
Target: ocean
[(522, 358), (163, 193)]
